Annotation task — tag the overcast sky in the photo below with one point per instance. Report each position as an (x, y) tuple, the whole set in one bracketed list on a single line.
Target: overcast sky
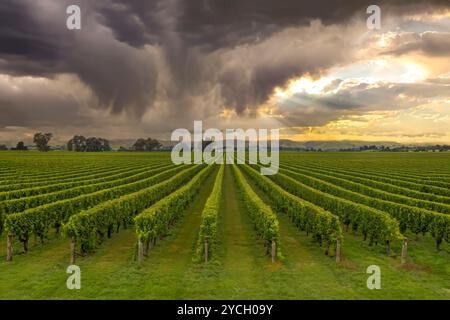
[(144, 68)]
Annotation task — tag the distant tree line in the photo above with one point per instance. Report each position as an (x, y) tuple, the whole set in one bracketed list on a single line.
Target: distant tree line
[(92, 144), (80, 143), (430, 148)]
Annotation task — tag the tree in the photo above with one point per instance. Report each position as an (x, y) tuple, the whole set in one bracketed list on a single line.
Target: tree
[(77, 143), (92, 144), (41, 140), (21, 146), (70, 146), (139, 145), (97, 145), (146, 145), (105, 145), (152, 144), (3, 147)]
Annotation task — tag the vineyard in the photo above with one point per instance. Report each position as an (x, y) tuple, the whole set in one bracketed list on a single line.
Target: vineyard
[(140, 227)]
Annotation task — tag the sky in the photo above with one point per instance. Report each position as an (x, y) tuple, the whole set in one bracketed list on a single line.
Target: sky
[(312, 69)]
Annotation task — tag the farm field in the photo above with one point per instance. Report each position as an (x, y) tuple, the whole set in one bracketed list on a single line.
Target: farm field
[(138, 224)]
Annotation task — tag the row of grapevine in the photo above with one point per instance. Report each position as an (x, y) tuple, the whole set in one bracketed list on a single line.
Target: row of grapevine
[(384, 186), (40, 219), (324, 226), (404, 164), (409, 185), (43, 172), (441, 181), (415, 219), (21, 204), (373, 192), (264, 219), (111, 176), (210, 215), (419, 165), (69, 173), (380, 169), (437, 182), (377, 225), (88, 226), (156, 220), (48, 177), (64, 179)]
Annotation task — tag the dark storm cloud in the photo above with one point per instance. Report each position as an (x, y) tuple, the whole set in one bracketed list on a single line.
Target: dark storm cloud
[(132, 53), (35, 41), (213, 24), (26, 48), (188, 31)]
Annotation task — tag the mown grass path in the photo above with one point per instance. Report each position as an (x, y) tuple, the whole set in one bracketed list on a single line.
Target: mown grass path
[(239, 249)]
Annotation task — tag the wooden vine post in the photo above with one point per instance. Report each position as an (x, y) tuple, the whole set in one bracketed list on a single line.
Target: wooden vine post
[(404, 250), (72, 250), (338, 250), (274, 249), (206, 248), (9, 247), (146, 248), (140, 256)]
